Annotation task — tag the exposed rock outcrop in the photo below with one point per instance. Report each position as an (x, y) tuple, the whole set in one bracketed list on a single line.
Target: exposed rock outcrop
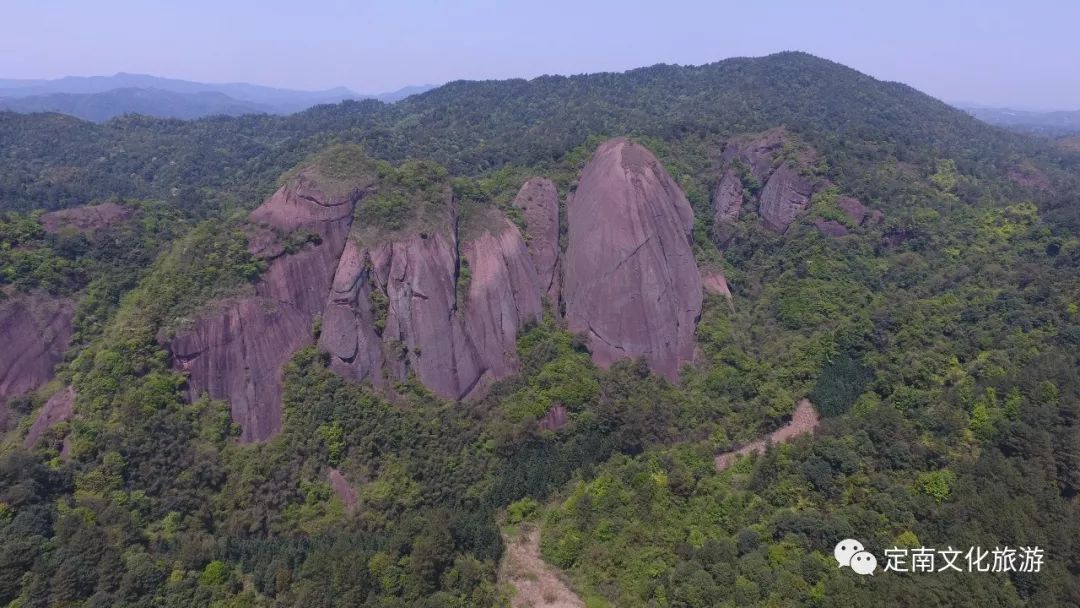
[(539, 200), (830, 228), (632, 284), (236, 352), (505, 293), (782, 173), (554, 419), (778, 166), (727, 203), (397, 307), (86, 219), (858, 213), (342, 488), (785, 195), (57, 408), (758, 153), (445, 298), (350, 331), (418, 275), (35, 330)]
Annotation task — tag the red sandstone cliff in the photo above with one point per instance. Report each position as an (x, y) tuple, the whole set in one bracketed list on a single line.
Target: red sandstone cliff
[(423, 303), (632, 284), (237, 351), (35, 330), (449, 307)]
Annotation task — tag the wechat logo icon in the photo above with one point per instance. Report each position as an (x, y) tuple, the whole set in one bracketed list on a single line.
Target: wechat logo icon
[(850, 552)]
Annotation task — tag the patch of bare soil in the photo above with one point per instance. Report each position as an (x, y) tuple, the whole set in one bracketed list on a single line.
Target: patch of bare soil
[(537, 584), (803, 421)]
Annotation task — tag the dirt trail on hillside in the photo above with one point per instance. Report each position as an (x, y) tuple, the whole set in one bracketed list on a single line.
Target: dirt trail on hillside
[(538, 585), (803, 421)]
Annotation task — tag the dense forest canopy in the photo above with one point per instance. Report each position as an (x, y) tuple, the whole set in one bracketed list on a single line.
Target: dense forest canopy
[(940, 344)]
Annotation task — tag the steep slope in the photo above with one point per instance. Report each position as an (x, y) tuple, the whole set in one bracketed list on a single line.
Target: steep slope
[(236, 351), (35, 330), (57, 409), (414, 291), (404, 305), (631, 280), (539, 201)]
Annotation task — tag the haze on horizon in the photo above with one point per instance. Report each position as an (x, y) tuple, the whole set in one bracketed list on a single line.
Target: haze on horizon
[(987, 53)]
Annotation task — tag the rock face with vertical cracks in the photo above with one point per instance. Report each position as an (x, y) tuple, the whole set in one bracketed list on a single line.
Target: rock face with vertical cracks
[(785, 195), (727, 203), (402, 306), (539, 201), (35, 330), (776, 164), (236, 352), (505, 292), (632, 284)]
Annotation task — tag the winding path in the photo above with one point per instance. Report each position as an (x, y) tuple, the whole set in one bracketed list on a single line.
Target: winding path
[(803, 421)]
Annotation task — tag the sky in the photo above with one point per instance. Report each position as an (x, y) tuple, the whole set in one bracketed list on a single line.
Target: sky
[(991, 52)]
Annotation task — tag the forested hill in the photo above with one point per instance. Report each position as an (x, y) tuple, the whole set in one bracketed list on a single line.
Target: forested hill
[(342, 358), (55, 161)]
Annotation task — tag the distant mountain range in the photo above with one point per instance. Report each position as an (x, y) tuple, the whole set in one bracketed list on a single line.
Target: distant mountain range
[(100, 98), (1040, 123)]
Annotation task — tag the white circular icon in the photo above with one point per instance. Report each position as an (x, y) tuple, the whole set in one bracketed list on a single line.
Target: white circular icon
[(845, 549), (864, 562)]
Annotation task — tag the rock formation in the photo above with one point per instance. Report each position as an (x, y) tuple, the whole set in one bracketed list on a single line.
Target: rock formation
[(86, 219), (236, 352), (858, 213), (539, 200), (397, 306), (57, 409), (445, 298), (781, 171), (342, 488), (757, 153), (785, 195), (830, 228), (632, 284), (779, 168), (716, 284), (727, 201), (505, 293), (35, 330)]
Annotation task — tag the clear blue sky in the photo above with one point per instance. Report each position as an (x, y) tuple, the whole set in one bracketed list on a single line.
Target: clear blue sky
[(990, 51)]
